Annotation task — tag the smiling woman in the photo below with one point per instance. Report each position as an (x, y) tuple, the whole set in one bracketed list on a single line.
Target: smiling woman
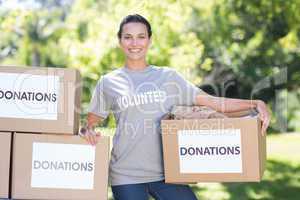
[(135, 39), (139, 95)]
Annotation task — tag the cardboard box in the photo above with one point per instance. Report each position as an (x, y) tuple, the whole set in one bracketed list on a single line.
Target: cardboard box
[(37, 99), (59, 167), (213, 150), (5, 147)]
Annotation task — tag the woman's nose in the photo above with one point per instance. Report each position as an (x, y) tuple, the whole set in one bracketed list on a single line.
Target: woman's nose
[(134, 42)]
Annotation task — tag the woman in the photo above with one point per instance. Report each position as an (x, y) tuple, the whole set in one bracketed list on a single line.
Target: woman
[(139, 95)]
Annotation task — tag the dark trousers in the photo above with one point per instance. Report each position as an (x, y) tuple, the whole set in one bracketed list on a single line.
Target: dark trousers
[(158, 190)]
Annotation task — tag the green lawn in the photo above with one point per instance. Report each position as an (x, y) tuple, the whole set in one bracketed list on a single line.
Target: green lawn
[(281, 179)]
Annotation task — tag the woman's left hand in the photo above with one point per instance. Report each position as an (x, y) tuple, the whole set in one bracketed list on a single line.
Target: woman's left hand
[(264, 115)]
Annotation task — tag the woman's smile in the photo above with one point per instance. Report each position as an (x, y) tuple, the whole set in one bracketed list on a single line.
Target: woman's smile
[(135, 50)]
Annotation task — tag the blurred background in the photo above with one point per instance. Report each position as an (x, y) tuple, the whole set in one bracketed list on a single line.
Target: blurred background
[(246, 49)]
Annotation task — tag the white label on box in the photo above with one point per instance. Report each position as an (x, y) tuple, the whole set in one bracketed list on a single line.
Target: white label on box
[(210, 151), (64, 166), (29, 96)]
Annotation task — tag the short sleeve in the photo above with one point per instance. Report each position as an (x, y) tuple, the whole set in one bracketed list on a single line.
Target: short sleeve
[(100, 104), (187, 92)]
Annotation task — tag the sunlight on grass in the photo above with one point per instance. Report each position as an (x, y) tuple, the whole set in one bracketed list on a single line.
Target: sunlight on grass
[(285, 147), (211, 191)]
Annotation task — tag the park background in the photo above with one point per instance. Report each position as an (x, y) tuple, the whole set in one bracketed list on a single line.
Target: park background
[(246, 49)]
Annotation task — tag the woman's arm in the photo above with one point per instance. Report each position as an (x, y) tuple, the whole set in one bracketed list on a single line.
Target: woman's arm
[(227, 105), (89, 133), (93, 120)]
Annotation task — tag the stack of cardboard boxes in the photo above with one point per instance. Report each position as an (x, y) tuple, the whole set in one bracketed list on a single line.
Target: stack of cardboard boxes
[(42, 157)]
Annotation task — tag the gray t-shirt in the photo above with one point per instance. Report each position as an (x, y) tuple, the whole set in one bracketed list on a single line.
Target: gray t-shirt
[(138, 100)]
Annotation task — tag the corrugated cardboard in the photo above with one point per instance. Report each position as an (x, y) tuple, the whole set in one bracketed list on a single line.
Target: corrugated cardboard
[(22, 117), (252, 150), (26, 185), (5, 147)]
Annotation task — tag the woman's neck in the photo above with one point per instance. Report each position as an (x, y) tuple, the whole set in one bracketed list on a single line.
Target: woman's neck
[(136, 64)]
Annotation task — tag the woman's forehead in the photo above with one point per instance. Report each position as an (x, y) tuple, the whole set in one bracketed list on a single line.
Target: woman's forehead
[(134, 28)]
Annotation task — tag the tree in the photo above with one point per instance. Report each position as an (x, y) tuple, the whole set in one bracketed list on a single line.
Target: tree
[(30, 36), (251, 49)]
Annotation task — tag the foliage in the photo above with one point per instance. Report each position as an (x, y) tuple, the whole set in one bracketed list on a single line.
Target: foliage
[(235, 48), (252, 51)]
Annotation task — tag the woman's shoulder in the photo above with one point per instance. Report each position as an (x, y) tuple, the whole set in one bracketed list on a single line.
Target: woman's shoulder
[(164, 69), (113, 73), (107, 78)]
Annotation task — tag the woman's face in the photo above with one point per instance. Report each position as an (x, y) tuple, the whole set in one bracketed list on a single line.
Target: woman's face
[(135, 40)]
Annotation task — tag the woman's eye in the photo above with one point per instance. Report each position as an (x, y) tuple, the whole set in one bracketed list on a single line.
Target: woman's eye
[(126, 37)]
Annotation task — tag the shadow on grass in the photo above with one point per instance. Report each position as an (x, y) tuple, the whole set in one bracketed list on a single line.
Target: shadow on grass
[(281, 181)]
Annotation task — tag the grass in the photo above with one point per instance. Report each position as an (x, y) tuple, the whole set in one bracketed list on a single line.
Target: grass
[(281, 179)]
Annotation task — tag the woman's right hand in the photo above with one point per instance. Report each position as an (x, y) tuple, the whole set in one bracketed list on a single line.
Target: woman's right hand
[(90, 135)]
